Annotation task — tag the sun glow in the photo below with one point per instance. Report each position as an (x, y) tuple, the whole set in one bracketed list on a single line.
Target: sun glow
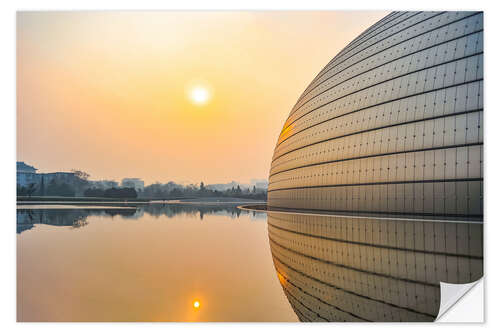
[(199, 95), (196, 304)]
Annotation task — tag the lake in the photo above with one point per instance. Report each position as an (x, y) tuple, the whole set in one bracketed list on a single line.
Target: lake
[(215, 262), (149, 263)]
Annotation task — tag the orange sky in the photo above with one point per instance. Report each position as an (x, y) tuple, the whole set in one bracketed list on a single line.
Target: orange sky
[(107, 92)]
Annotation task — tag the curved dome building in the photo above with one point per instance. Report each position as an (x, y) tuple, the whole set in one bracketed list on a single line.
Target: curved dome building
[(392, 124), (390, 132)]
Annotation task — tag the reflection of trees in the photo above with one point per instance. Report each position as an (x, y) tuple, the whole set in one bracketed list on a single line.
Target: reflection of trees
[(171, 210), (77, 218), (80, 223)]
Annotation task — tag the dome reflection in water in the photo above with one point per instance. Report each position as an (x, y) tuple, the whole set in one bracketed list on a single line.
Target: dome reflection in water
[(391, 126), (337, 268)]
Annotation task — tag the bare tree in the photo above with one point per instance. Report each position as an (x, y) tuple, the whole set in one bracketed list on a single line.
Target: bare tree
[(80, 174)]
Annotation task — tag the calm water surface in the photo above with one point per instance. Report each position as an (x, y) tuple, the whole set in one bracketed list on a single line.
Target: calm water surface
[(362, 268), (151, 263), (146, 264)]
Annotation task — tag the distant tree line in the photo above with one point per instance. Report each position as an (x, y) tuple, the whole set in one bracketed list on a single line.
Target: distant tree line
[(172, 191), (60, 189), (123, 193), (79, 185)]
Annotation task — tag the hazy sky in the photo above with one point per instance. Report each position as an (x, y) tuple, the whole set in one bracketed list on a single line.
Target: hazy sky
[(109, 92)]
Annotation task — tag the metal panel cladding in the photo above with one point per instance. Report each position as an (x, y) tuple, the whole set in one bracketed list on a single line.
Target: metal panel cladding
[(392, 124)]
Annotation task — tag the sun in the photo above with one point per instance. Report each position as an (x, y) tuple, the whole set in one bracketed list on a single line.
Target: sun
[(196, 304), (199, 95)]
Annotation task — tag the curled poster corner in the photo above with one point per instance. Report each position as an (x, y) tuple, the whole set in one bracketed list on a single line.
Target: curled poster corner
[(455, 302)]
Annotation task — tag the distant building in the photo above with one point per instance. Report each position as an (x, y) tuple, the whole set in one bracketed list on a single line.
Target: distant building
[(259, 183), (103, 184), (26, 174), (23, 167), (60, 177), (136, 183), (262, 185)]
